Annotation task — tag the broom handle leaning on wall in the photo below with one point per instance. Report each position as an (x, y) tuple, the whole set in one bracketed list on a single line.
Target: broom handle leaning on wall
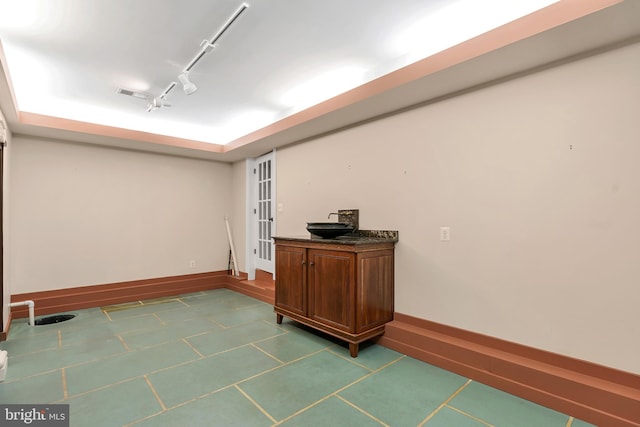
[(233, 251)]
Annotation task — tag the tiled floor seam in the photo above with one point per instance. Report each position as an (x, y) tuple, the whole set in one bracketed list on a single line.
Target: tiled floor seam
[(15, 380), (144, 376), (104, 387), (178, 405), (215, 322), (236, 384), (256, 404), (162, 322), (155, 393), (284, 332), (361, 410), (443, 404), (267, 354), (184, 340), (65, 388), (335, 393), (121, 381), (354, 360), (469, 415), (182, 364), (276, 367), (124, 343)]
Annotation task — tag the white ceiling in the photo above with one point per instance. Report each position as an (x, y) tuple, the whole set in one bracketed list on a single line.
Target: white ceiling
[(69, 62)]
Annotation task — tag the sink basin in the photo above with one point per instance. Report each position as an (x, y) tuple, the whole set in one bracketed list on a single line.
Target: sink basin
[(329, 230)]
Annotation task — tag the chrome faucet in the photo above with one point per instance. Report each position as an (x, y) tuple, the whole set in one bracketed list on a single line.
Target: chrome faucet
[(349, 216)]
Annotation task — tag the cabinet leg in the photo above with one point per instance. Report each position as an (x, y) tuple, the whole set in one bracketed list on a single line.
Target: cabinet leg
[(278, 318), (353, 349)]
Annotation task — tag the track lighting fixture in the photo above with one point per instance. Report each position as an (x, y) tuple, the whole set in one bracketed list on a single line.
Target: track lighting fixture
[(187, 85), (156, 102)]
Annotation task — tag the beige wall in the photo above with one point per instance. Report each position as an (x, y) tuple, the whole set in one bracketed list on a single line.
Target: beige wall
[(538, 179), (238, 217), (7, 266), (88, 215)]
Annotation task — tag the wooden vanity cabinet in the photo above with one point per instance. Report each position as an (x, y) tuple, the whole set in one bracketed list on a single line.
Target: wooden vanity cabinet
[(345, 290)]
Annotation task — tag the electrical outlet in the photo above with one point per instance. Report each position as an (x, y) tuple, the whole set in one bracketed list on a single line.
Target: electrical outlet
[(192, 263), (445, 234)]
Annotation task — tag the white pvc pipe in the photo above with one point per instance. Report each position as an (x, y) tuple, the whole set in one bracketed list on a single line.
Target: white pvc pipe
[(32, 306), (236, 272)]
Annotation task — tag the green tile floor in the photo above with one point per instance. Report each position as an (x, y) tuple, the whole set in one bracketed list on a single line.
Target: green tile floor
[(218, 358)]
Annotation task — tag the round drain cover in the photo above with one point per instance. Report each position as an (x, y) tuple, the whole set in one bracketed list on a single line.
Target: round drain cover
[(54, 319)]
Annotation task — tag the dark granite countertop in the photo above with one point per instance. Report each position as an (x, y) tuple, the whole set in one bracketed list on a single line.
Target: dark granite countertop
[(359, 237)]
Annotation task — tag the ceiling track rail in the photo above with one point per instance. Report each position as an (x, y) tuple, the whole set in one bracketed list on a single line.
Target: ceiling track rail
[(209, 45)]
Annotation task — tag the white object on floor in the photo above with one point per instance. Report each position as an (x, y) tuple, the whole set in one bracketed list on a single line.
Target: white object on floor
[(4, 362), (233, 250), (32, 307)]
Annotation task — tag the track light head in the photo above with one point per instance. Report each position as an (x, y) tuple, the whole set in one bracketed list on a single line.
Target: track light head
[(187, 85), (157, 102)]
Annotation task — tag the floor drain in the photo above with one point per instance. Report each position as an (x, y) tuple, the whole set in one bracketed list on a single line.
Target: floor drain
[(54, 319)]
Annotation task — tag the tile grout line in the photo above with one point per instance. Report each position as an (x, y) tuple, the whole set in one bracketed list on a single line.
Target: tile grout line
[(85, 362), (184, 340), (155, 393), (348, 359), (166, 368), (124, 344), (335, 393), (300, 411), (104, 387), (162, 322), (354, 406), (480, 420), (271, 337), (268, 415), (569, 422), (202, 396), (215, 322), (275, 367), (65, 388), (35, 352), (59, 338), (443, 404), (183, 303), (236, 384), (268, 354)]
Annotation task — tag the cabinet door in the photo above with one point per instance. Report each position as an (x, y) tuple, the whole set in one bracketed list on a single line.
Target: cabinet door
[(331, 288), (291, 290)]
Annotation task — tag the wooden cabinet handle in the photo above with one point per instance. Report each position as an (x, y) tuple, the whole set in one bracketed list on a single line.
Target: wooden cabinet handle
[(303, 262), (312, 263)]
